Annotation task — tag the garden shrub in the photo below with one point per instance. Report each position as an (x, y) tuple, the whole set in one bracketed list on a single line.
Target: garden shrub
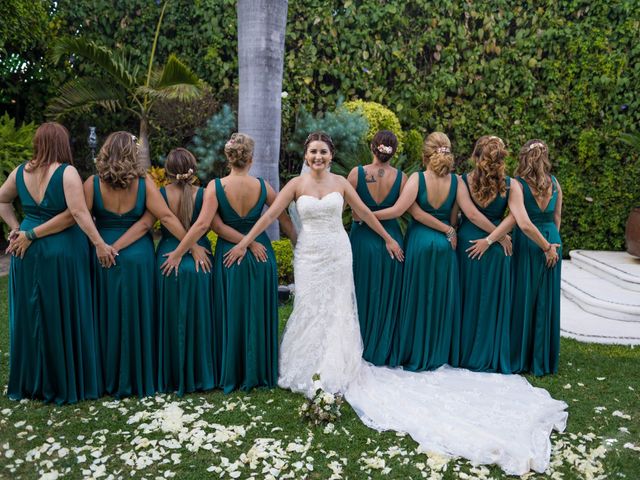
[(16, 145), (378, 117), (284, 257), (208, 144)]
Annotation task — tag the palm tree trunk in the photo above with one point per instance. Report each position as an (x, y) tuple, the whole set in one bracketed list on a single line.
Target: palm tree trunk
[(261, 30), (144, 156)]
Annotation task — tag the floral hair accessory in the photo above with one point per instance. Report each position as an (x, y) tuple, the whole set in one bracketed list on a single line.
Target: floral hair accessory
[(185, 176), (536, 145), (385, 149), (443, 150)]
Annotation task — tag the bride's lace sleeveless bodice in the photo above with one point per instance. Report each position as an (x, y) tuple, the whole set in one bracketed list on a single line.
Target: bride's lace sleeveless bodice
[(485, 417)]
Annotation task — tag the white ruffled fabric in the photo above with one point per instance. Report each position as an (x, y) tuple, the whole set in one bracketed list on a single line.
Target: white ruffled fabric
[(485, 417)]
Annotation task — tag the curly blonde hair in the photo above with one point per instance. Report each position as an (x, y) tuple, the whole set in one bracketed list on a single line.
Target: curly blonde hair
[(436, 153), (239, 150), (534, 166), (117, 162), (488, 179)]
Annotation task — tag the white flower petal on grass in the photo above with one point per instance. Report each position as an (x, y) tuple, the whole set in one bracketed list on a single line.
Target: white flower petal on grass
[(601, 378), (567, 386), (631, 446), (9, 453), (52, 475), (580, 384), (618, 413), (623, 429)]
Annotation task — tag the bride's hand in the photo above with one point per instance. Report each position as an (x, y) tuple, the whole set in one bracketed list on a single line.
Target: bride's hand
[(235, 255), (395, 250)]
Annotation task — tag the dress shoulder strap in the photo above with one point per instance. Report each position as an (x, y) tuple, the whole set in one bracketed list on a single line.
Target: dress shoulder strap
[(141, 197), (97, 193), (163, 192)]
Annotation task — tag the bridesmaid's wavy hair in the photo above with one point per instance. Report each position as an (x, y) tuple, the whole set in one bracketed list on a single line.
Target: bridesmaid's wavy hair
[(384, 145), (239, 150), (436, 154), (50, 145), (319, 137), (534, 165), (117, 162), (488, 179), (180, 168)]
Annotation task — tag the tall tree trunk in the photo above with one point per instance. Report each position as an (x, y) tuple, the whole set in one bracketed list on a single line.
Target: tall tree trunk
[(261, 31), (144, 156)]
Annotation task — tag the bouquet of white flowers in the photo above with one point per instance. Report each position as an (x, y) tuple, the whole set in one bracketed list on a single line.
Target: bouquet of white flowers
[(323, 407)]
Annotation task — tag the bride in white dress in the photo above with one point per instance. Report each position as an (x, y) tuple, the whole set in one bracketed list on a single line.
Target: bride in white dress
[(484, 417)]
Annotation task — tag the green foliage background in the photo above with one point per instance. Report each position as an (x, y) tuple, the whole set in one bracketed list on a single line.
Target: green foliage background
[(565, 71)]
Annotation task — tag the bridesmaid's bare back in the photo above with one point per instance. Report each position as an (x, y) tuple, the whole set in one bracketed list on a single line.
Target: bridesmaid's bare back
[(437, 189), (380, 181), (174, 194), (37, 181), (119, 201), (242, 192)]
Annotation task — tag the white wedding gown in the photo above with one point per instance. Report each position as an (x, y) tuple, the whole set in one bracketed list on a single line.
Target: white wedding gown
[(484, 417)]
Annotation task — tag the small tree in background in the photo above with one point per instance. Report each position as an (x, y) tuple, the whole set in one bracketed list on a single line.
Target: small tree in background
[(208, 144)]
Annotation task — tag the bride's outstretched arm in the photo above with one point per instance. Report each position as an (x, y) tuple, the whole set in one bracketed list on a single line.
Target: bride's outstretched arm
[(406, 199), (363, 212), (282, 201)]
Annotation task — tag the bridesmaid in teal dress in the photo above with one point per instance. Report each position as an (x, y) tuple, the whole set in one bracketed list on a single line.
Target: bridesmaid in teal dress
[(377, 277), (245, 295), (185, 305), (535, 306), (430, 302), (535, 319), (124, 295), (485, 283), (52, 338)]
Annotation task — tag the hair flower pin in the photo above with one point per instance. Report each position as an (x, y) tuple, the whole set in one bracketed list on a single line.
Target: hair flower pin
[(385, 149), (443, 150), (536, 145), (185, 176)]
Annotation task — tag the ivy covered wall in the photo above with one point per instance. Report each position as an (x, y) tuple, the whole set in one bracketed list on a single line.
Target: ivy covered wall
[(565, 71)]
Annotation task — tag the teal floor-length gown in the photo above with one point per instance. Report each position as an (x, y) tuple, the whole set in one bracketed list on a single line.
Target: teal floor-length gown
[(377, 277), (186, 356), (485, 296), (535, 313), (52, 339), (430, 305), (246, 304), (125, 303)]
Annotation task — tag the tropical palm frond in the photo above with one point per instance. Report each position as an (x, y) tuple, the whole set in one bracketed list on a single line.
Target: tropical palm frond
[(114, 64), (83, 93), (181, 91), (175, 72)]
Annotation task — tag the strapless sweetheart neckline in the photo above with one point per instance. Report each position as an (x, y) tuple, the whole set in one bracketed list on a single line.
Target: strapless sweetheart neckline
[(321, 198)]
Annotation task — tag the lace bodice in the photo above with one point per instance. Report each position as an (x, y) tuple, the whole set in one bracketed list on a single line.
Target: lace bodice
[(321, 214)]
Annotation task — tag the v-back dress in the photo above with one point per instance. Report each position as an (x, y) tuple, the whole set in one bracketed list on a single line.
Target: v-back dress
[(125, 303), (535, 314), (485, 293), (246, 305), (430, 305), (186, 356), (52, 353), (378, 277)]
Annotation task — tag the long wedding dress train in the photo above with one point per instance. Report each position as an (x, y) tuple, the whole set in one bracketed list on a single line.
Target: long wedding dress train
[(484, 417)]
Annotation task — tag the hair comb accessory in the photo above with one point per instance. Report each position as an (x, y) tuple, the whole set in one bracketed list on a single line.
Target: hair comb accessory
[(385, 149), (443, 150), (185, 176), (536, 145)]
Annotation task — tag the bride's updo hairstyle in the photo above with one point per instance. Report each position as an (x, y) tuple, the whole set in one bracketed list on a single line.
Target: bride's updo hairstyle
[(117, 162), (180, 168), (488, 179), (436, 154), (319, 137), (239, 150), (384, 145), (534, 165)]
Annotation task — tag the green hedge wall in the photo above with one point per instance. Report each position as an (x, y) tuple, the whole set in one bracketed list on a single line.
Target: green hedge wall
[(565, 71)]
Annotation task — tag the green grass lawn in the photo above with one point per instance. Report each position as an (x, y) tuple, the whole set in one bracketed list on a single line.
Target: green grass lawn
[(259, 434)]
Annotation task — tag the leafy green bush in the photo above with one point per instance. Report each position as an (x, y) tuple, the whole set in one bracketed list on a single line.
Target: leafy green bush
[(16, 145), (208, 143), (378, 117), (411, 160), (284, 257)]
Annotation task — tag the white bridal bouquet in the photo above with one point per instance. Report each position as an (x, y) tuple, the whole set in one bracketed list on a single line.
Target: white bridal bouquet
[(323, 407)]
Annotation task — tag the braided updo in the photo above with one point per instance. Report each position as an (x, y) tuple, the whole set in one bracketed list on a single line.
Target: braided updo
[(436, 153), (239, 150)]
